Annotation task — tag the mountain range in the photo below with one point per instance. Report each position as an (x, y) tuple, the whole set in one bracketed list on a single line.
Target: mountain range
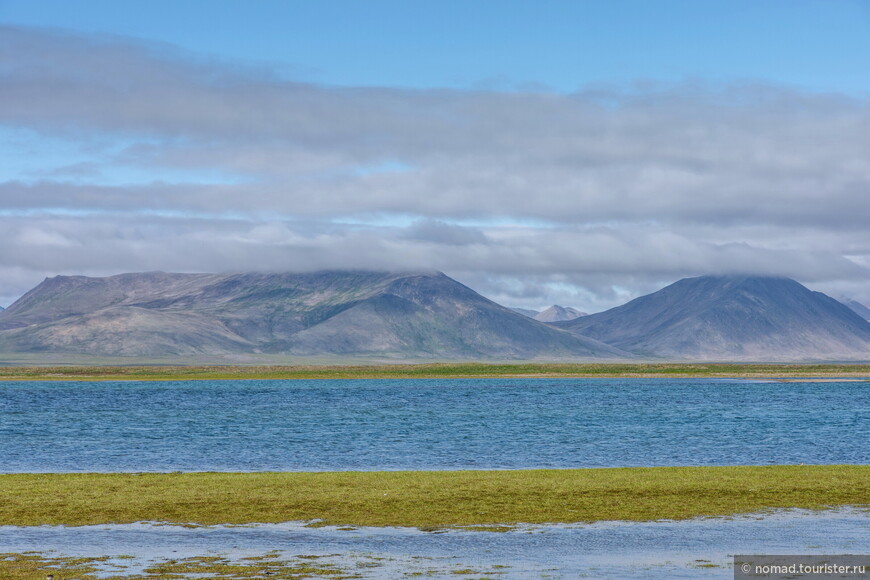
[(344, 313), (422, 315)]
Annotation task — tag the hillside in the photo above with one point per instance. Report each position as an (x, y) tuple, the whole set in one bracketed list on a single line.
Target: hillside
[(526, 312), (732, 318), (857, 308), (395, 315)]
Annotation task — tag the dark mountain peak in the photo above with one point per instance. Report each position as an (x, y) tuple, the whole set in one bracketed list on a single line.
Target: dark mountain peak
[(724, 283), (731, 317), (430, 287)]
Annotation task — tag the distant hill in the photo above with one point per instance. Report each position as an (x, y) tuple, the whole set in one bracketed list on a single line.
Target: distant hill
[(732, 318), (398, 315), (556, 313), (526, 312), (857, 307)]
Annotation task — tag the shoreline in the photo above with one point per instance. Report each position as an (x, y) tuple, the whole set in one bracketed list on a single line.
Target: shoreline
[(771, 371), (697, 548)]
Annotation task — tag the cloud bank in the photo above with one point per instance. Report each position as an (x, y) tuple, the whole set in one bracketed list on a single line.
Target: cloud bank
[(126, 156)]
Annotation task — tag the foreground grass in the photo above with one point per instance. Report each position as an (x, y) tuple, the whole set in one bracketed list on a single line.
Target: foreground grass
[(434, 370), (427, 499)]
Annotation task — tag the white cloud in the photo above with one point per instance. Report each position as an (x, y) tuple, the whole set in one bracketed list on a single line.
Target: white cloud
[(230, 168)]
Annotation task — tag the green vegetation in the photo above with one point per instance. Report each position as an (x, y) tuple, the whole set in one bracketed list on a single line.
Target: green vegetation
[(427, 499), (257, 567), (271, 565), (32, 565), (480, 500), (433, 370)]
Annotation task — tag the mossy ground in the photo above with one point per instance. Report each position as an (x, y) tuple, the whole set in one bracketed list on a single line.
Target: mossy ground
[(271, 565), (433, 370), (37, 565), (427, 499)]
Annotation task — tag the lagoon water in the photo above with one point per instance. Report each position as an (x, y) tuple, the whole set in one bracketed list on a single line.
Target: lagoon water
[(444, 424), (428, 424)]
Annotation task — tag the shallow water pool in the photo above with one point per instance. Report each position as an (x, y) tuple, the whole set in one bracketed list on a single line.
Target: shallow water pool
[(698, 548)]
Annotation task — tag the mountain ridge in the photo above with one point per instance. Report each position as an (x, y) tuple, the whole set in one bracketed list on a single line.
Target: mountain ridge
[(401, 315), (421, 315)]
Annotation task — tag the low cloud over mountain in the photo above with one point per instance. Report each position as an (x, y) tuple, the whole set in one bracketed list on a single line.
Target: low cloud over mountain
[(120, 152)]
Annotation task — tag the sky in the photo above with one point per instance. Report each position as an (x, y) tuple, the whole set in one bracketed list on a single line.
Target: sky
[(571, 152)]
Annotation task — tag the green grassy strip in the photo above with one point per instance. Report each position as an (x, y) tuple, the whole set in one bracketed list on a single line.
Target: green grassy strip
[(427, 499), (434, 370)]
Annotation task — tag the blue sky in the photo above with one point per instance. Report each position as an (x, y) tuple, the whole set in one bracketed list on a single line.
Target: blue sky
[(579, 153), (561, 45)]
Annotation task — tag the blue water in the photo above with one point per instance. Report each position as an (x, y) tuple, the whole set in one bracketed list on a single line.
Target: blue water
[(427, 424), (663, 550)]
